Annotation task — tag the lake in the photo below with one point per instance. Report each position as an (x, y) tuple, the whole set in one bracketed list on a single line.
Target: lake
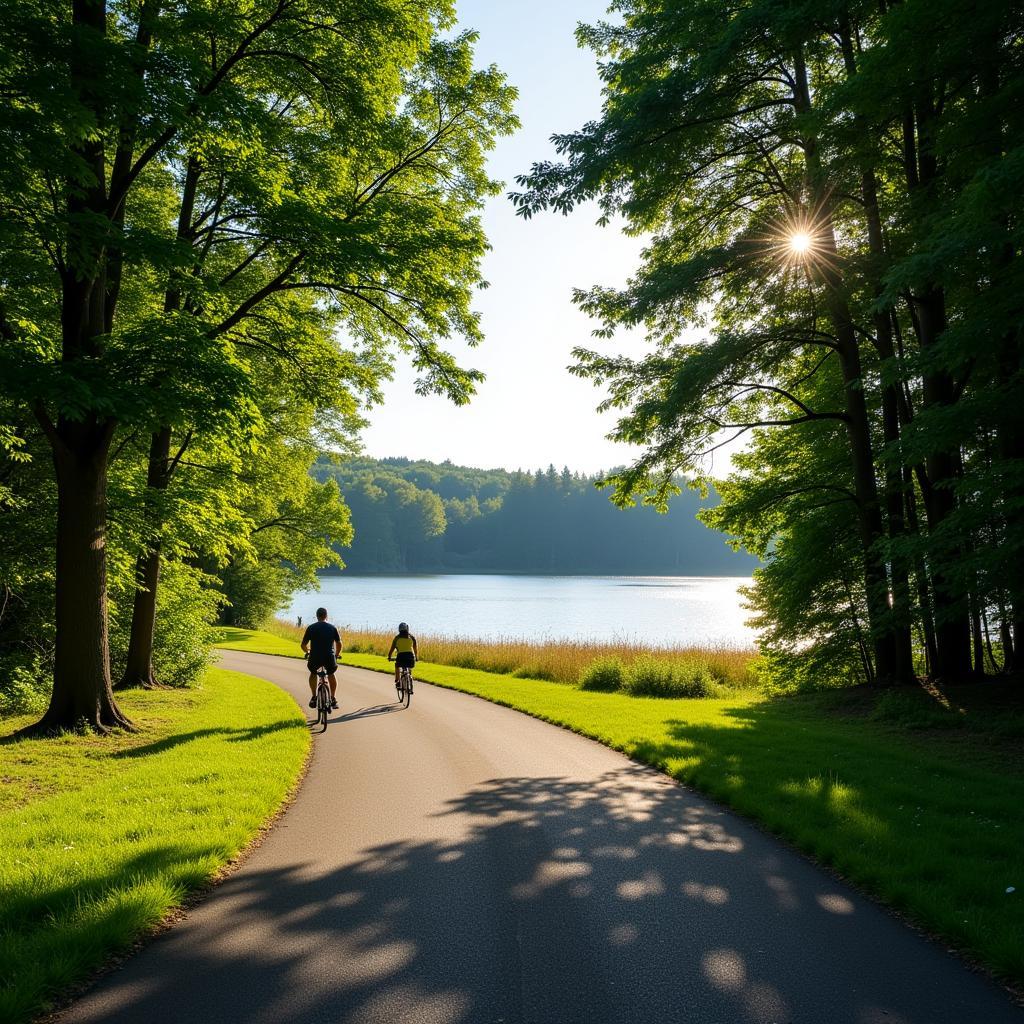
[(654, 610)]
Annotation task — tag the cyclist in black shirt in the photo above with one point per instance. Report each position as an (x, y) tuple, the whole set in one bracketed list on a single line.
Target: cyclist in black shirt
[(321, 643)]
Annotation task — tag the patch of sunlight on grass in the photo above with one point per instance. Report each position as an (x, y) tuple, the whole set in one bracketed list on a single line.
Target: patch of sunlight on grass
[(100, 837)]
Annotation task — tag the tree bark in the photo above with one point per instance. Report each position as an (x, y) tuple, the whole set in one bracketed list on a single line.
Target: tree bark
[(81, 676), (894, 505), (1010, 428), (924, 597), (1010, 448), (952, 623), (138, 670)]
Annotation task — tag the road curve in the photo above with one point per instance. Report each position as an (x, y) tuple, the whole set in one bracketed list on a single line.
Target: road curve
[(460, 863)]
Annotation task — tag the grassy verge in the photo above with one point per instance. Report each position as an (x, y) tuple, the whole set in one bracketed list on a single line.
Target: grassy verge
[(561, 661), (100, 837), (914, 797)]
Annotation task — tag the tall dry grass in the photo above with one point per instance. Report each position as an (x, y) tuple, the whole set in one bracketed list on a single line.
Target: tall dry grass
[(559, 661)]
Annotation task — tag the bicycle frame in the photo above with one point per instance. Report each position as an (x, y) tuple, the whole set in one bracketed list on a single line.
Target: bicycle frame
[(323, 697), (405, 685)]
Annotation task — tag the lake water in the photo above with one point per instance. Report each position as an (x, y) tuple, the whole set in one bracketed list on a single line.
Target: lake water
[(654, 610)]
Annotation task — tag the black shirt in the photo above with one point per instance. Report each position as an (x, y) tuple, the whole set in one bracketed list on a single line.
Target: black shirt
[(321, 637)]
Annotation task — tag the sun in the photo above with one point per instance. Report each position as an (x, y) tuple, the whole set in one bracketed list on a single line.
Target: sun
[(800, 243)]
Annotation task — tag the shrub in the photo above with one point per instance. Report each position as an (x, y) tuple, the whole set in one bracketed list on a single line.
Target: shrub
[(534, 672), (253, 591), (603, 674), (187, 607), (24, 689), (655, 677)]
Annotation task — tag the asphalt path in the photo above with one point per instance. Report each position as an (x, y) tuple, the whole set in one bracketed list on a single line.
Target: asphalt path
[(459, 863)]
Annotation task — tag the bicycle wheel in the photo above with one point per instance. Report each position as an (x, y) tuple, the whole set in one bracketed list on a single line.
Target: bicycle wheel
[(406, 686), (323, 706)]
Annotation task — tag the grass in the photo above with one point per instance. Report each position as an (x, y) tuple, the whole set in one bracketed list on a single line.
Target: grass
[(558, 661), (101, 837), (260, 641), (915, 797)]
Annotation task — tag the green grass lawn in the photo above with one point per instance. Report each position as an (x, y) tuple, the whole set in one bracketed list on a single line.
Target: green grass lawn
[(917, 801), (100, 837), (258, 642)]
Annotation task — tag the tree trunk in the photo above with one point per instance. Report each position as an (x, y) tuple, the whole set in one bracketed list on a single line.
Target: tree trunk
[(952, 620), (81, 677), (977, 637), (889, 665), (1010, 450), (924, 597), (1010, 657), (858, 431), (898, 567), (138, 670), (139, 667)]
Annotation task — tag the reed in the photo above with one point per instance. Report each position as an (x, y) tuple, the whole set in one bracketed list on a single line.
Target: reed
[(559, 661)]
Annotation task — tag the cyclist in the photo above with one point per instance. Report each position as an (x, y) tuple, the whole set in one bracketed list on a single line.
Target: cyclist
[(404, 649), (321, 643)]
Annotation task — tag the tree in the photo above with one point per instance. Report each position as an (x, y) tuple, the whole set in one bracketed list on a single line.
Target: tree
[(801, 169), (191, 184)]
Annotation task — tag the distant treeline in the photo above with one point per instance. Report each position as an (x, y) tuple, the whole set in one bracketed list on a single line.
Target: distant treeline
[(424, 517)]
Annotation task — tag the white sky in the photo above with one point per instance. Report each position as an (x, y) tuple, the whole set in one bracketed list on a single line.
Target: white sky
[(530, 411)]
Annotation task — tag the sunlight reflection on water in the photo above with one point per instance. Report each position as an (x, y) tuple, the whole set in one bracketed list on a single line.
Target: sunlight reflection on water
[(654, 610)]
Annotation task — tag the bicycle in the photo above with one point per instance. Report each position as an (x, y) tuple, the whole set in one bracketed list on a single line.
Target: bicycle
[(323, 698), (404, 685)]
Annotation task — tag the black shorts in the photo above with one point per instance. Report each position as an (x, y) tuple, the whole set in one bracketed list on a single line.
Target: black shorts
[(331, 665), (405, 659)]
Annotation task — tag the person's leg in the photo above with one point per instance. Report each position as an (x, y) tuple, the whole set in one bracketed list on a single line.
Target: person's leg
[(312, 683), (334, 683)]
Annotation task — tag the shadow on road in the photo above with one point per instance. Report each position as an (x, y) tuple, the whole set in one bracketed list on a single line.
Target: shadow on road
[(353, 716), (554, 901)]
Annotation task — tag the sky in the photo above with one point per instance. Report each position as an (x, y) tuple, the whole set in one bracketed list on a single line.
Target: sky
[(530, 412)]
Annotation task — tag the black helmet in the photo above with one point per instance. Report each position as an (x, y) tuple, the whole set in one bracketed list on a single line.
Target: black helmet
[(403, 627)]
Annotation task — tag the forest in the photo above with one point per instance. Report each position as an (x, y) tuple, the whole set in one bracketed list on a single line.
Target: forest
[(431, 517), (829, 194)]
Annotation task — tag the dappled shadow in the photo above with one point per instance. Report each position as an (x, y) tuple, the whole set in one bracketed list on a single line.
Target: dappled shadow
[(548, 900)]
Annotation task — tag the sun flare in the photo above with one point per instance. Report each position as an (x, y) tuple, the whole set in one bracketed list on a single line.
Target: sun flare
[(800, 242)]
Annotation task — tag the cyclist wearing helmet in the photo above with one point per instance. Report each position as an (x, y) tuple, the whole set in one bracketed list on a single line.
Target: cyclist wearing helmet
[(404, 649)]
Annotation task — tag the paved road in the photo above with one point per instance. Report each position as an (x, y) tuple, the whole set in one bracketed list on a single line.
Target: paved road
[(459, 863)]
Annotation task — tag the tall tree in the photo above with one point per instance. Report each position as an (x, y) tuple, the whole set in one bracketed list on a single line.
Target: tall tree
[(800, 169), (716, 149), (155, 143)]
